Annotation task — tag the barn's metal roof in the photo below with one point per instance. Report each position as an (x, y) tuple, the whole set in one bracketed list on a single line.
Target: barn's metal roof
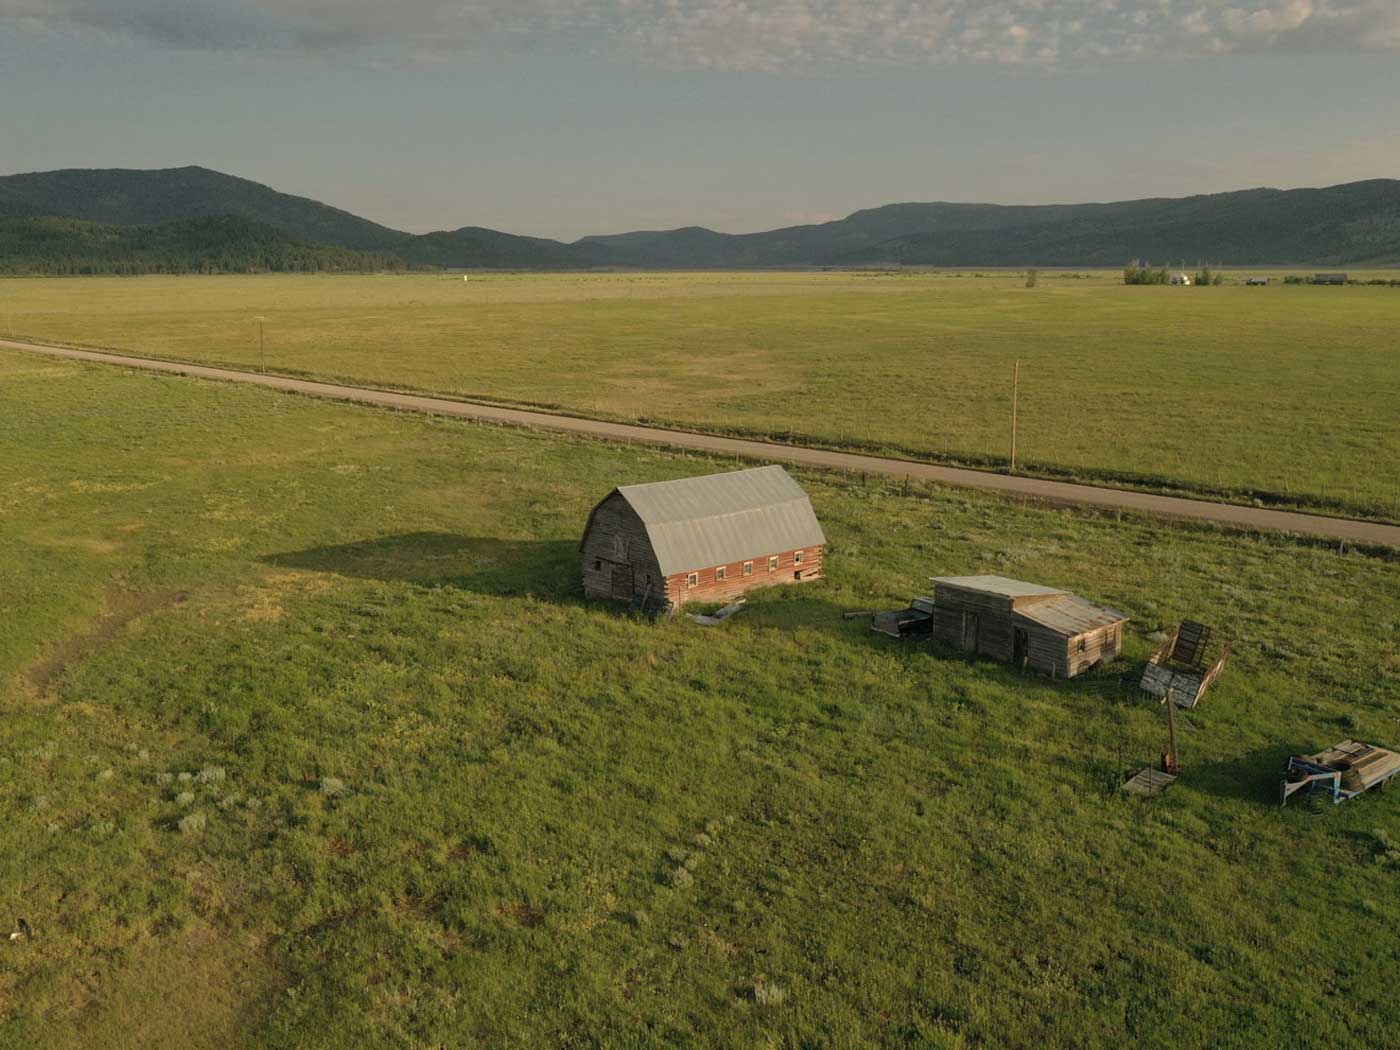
[(719, 519), (998, 585), (1070, 615)]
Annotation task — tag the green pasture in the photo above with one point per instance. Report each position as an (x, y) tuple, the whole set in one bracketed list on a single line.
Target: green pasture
[(309, 739), (1284, 394)]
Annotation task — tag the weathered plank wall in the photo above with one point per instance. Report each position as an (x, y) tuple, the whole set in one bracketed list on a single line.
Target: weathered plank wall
[(974, 622), (987, 624), (1046, 651), (616, 538), (1095, 647)]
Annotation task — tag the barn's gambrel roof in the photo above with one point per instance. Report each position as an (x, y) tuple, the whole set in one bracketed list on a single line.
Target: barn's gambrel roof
[(719, 519)]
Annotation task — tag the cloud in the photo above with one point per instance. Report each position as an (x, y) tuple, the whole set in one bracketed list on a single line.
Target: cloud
[(742, 35)]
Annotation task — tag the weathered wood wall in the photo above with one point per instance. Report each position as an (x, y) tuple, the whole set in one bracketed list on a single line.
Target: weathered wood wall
[(1100, 646), (1046, 650), (617, 546), (973, 622), (987, 624)]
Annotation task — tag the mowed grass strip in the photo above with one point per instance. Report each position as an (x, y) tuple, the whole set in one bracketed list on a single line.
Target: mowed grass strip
[(310, 741), (1285, 394)]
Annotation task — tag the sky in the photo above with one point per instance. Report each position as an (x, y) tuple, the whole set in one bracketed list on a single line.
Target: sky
[(561, 118)]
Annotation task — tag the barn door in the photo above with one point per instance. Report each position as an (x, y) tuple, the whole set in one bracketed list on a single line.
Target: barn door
[(622, 582), (1020, 646)]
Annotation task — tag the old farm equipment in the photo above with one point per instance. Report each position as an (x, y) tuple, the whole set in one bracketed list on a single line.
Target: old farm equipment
[(1151, 782), (913, 622), (1344, 771), (1183, 667)]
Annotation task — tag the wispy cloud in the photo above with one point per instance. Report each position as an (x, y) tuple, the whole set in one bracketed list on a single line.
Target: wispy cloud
[(744, 35)]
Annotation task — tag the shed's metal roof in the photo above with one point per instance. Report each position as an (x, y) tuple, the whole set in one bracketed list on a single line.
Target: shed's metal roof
[(998, 585), (719, 519), (1070, 615)]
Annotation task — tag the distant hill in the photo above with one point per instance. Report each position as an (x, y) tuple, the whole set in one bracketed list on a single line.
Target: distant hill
[(1358, 223), (122, 197), (473, 246), (1354, 224), (222, 244)]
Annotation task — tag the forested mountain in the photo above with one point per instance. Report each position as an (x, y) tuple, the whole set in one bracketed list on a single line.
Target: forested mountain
[(148, 215), (224, 244), (1355, 223), (122, 197)]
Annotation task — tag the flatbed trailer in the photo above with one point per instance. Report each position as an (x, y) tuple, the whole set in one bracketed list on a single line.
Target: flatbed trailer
[(1343, 771)]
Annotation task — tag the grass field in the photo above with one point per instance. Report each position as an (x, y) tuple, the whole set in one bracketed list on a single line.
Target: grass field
[(310, 741), (1285, 394)]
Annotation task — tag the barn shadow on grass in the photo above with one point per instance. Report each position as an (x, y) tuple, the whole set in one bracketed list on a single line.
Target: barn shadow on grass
[(547, 569), (1250, 777)]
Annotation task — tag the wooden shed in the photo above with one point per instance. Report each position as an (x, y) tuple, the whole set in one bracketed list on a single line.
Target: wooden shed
[(709, 538), (1048, 630)]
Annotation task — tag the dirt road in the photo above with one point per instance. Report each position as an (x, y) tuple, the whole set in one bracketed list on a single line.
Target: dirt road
[(1060, 492)]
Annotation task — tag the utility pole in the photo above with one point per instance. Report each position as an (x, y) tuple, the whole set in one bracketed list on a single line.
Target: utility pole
[(262, 345), (1015, 397), (1171, 763)]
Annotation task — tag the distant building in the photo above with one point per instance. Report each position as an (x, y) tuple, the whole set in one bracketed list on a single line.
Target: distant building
[(709, 538), (1257, 281), (1024, 624), (1180, 279), (1330, 278)]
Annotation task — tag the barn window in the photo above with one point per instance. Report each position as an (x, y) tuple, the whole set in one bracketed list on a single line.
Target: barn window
[(773, 564), (797, 557), (693, 580), (748, 568), (598, 565), (1082, 641), (721, 574)]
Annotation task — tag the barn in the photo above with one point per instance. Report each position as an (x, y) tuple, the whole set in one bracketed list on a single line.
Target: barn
[(709, 538), (1048, 630)]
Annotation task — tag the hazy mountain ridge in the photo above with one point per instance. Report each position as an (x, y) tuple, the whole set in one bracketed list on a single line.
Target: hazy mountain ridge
[(1356, 223)]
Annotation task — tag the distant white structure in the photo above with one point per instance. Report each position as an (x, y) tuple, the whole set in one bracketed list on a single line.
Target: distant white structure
[(465, 277), (1256, 281), (1180, 278)]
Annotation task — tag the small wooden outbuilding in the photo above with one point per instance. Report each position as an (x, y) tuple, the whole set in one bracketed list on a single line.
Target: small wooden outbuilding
[(1048, 630), (709, 538)]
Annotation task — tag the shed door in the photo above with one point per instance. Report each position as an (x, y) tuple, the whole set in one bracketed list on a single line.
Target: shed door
[(969, 637), (1020, 645), (622, 582)]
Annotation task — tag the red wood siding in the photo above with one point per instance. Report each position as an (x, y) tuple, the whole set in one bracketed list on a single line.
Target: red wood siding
[(711, 589)]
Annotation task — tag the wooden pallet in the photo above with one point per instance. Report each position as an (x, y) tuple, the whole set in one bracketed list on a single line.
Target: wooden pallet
[(1149, 783)]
